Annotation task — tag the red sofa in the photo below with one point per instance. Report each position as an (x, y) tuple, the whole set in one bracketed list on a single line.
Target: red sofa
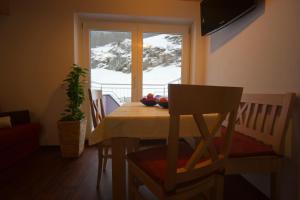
[(18, 141)]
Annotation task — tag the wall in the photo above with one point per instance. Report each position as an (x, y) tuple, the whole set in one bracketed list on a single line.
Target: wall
[(36, 52), (37, 49), (4, 7), (261, 52)]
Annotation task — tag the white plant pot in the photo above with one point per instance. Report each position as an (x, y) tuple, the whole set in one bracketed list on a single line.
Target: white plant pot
[(72, 137)]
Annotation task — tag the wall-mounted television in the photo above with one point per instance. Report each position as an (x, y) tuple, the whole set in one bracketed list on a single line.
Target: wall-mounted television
[(216, 14)]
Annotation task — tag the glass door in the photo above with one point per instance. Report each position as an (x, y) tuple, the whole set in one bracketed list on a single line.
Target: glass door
[(111, 63), (164, 57), (162, 54)]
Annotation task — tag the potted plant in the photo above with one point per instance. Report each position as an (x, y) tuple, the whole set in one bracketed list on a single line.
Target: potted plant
[(72, 125)]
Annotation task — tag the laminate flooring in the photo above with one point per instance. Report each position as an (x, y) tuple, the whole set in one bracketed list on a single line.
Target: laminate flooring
[(46, 175)]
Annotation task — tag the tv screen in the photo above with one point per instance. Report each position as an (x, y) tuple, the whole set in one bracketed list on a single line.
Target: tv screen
[(216, 14)]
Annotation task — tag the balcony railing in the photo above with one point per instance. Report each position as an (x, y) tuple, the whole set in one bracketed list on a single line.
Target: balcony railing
[(122, 92)]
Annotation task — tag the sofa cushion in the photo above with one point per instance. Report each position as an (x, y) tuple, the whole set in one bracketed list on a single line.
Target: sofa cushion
[(19, 133), (5, 122), (17, 152), (244, 146)]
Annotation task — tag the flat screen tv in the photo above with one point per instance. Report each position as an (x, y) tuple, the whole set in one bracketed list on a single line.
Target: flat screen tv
[(216, 14)]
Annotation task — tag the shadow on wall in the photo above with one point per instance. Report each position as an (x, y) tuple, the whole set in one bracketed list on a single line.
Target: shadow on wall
[(290, 173), (51, 115), (224, 35)]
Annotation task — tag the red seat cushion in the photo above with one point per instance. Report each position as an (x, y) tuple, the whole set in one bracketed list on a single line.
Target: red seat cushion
[(153, 160), (244, 146)]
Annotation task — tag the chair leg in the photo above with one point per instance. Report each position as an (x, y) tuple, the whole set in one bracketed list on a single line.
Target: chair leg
[(105, 155), (217, 193), (131, 186), (100, 158), (275, 186)]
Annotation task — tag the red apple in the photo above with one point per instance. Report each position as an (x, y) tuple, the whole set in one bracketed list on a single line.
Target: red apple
[(163, 99), (150, 96)]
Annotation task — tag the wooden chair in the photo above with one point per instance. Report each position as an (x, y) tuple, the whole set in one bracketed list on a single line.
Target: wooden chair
[(98, 114), (258, 142), (176, 171)]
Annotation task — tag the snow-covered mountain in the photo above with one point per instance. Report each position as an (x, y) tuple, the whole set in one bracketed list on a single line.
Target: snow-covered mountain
[(158, 50)]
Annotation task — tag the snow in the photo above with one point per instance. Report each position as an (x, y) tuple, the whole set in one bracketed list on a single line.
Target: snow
[(118, 84), (158, 75), (159, 41), (109, 77), (162, 75)]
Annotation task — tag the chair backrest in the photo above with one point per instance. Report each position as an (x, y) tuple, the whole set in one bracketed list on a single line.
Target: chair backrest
[(96, 104), (265, 117), (197, 100)]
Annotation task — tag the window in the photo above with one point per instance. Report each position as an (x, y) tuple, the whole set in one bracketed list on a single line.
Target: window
[(129, 60)]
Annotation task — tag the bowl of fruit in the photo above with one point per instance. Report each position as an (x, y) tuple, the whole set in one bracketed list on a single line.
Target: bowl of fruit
[(149, 100), (163, 102)]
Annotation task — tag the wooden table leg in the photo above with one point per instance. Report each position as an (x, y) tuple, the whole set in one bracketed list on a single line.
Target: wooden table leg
[(118, 169)]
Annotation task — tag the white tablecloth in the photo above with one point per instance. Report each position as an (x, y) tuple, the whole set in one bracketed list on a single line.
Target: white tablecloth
[(139, 121)]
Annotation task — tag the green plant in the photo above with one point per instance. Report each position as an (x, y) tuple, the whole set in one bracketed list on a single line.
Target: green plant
[(75, 93)]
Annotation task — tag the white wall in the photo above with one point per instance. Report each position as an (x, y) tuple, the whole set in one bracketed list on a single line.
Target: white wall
[(36, 43), (261, 52)]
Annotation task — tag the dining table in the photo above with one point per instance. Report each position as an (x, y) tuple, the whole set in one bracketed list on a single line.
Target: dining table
[(132, 122)]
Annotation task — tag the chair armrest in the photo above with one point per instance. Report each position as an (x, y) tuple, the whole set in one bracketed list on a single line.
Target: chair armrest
[(17, 117)]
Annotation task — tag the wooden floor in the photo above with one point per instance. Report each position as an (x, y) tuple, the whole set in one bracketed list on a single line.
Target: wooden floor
[(46, 175)]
